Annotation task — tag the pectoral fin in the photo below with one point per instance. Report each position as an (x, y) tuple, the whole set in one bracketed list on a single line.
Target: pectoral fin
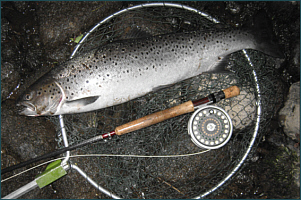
[(161, 87), (83, 101)]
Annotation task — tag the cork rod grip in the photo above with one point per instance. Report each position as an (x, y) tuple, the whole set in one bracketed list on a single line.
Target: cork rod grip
[(155, 118), (231, 92)]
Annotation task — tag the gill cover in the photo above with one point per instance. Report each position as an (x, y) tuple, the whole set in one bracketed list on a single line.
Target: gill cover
[(41, 98)]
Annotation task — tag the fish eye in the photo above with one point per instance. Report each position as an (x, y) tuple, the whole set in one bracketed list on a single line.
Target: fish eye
[(27, 97)]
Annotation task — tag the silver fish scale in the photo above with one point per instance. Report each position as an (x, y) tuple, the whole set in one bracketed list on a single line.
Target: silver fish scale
[(124, 70)]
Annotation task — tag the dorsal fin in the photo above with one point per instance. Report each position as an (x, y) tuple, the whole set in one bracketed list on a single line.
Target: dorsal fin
[(134, 33)]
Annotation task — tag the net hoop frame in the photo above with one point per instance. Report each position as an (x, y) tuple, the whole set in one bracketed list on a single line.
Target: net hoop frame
[(257, 91)]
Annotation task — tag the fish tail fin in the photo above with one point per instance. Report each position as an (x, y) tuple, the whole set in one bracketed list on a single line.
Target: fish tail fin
[(266, 41)]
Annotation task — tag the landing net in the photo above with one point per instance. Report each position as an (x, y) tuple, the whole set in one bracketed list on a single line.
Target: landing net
[(157, 174)]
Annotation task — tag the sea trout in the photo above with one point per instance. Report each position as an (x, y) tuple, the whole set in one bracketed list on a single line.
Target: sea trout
[(123, 70)]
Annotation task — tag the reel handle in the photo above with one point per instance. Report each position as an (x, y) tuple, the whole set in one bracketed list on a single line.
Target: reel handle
[(181, 109), (232, 91)]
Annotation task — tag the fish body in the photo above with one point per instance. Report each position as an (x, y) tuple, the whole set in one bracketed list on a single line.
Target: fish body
[(123, 70)]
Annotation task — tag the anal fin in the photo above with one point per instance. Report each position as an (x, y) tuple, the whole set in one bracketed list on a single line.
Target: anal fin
[(221, 66)]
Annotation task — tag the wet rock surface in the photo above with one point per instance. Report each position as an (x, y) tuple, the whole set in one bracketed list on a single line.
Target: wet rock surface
[(35, 36), (289, 115)]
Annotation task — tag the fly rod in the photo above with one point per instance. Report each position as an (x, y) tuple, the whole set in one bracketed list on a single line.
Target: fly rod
[(140, 123)]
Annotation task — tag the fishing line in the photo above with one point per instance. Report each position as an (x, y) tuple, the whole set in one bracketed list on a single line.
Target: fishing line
[(141, 123), (107, 155), (31, 169)]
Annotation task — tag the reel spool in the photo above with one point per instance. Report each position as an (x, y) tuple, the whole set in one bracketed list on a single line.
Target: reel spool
[(210, 127)]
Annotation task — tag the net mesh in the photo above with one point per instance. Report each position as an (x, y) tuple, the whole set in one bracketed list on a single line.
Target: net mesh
[(163, 176)]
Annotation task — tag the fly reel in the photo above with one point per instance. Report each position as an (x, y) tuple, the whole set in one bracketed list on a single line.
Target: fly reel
[(210, 127)]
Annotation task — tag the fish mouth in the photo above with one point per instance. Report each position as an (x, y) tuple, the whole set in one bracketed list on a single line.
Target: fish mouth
[(26, 108)]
